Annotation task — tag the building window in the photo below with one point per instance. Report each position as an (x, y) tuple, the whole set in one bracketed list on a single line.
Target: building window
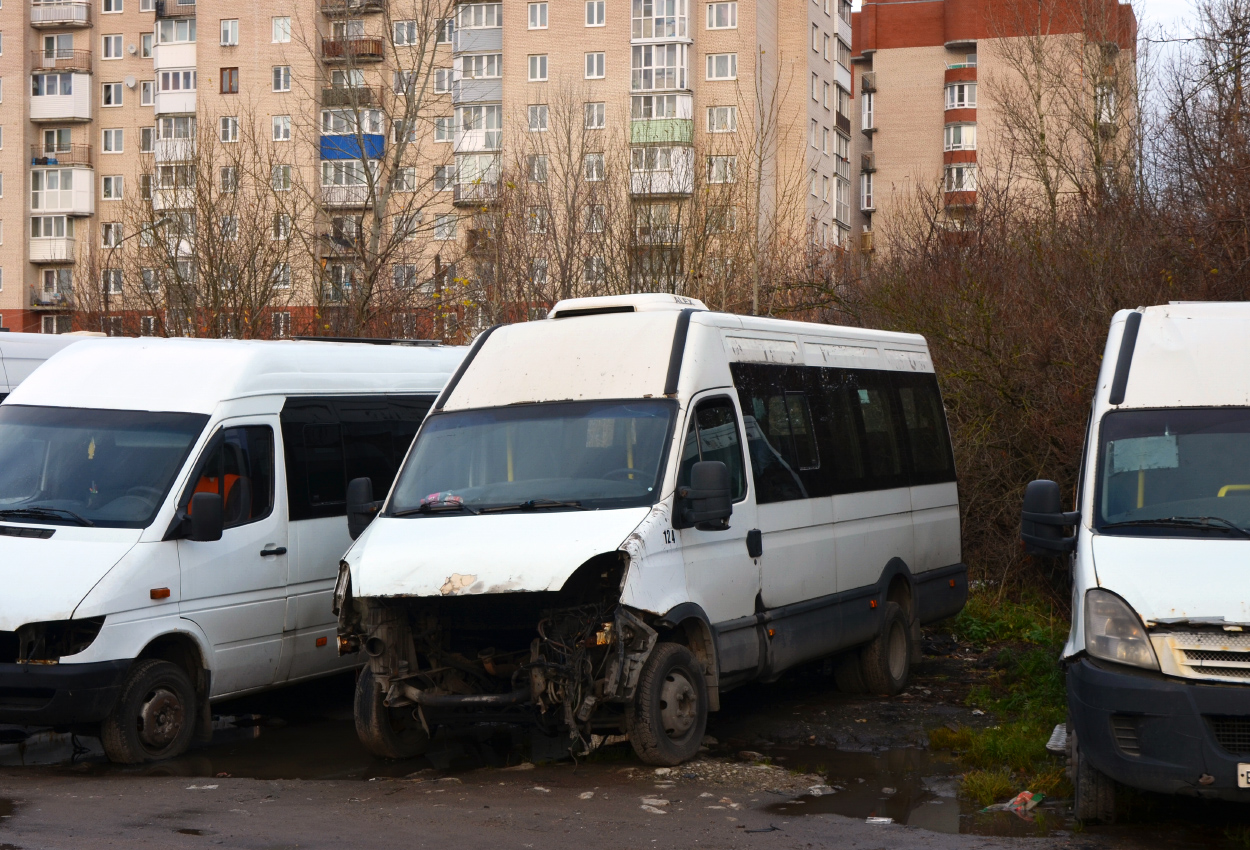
[(659, 20), (280, 178), (147, 139), (230, 33), (147, 92), (536, 220), (961, 177), (596, 269), (230, 81), (445, 226), (176, 31), (645, 107), (281, 30), (866, 202), (720, 169), (722, 66), (815, 39), (281, 78), (229, 128), (405, 33), (592, 165), (596, 116), (229, 228), (444, 128), (280, 228), (282, 321), (825, 95), (442, 80), (145, 45), (228, 176), (480, 16), (444, 177), (111, 188), (536, 168), (114, 141), (595, 13), (722, 119), (538, 16), (112, 95), (538, 118), (112, 47), (657, 67), (445, 30), (594, 66), (112, 6), (960, 137), (824, 50), (111, 234), (177, 81), (722, 16), (538, 63), (961, 96), (651, 159), (282, 128), (867, 121), (484, 66)]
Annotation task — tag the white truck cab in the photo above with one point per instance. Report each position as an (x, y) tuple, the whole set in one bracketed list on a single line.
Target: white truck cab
[(1158, 658), (616, 514), (172, 514)]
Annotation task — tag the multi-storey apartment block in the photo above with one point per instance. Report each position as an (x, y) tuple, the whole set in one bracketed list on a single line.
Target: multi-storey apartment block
[(109, 102), (924, 122)]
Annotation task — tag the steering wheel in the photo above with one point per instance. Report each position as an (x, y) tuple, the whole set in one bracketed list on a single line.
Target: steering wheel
[(621, 472), (140, 491)]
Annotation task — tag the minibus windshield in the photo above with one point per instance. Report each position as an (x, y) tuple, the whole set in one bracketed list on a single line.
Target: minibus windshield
[(73, 466), (561, 456), (1181, 472)]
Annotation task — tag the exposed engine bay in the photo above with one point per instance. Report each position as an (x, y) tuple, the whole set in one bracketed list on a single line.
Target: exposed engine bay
[(566, 661)]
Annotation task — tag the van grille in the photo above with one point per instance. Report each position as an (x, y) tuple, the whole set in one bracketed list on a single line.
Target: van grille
[(1232, 733), (1210, 657), (1124, 728), (1214, 654)]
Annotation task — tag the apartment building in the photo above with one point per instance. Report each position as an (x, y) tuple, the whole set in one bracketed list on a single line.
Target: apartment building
[(107, 98), (921, 126)]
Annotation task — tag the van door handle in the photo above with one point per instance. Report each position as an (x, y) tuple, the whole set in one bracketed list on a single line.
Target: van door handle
[(755, 543), (277, 550)]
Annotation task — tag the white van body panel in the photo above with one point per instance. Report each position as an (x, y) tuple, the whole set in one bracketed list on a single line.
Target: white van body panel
[(22, 354), (123, 595), (1144, 570)]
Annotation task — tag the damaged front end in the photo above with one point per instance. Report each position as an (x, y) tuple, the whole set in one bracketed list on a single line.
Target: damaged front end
[(566, 661)]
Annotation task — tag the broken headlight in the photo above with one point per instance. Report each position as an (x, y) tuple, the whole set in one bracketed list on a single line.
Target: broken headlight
[(1114, 632), (47, 643)]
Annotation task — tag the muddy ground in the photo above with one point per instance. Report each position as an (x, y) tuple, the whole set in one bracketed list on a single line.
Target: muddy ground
[(789, 764)]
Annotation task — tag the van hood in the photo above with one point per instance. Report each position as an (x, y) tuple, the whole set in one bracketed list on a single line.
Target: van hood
[(1169, 579), (45, 579), (499, 553)]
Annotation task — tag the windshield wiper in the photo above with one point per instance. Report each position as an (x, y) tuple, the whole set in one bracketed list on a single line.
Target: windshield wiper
[(1212, 522), (45, 513), (436, 506), (534, 504)]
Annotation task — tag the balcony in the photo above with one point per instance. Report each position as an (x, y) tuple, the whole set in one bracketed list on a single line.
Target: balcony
[(354, 96), (656, 130), (348, 147), (67, 155), (844, 30), (55, 249), (475, 39), (175, 8), (353, 49), (56, 299), (475, 141), (356, 195), (488, 90), (60, 14), (339, 244), (57, 59), (173, 199), (343, 8), (178, 55), (173, 150), (658, 234), (74, 194), (474, 194), (174, 103), (75, 106)]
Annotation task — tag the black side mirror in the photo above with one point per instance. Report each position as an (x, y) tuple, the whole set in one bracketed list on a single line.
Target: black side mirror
[(1042, 521), (707, 503), (361, 509), (206, 517)]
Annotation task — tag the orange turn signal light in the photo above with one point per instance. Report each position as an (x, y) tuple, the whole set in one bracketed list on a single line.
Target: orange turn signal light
[(872, 603), (321, 641), (952, 582), (159, 593), (772, 632)]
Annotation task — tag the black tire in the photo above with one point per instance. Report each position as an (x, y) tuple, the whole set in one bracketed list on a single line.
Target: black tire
[(154, 717), (846, 673), (668, 715), (885, 663), (1094, 792), (392, 733)]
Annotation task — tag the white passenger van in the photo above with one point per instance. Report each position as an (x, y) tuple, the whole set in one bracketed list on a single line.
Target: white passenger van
[(616, 514), (172, 514), (1158, 658), (21, 354)]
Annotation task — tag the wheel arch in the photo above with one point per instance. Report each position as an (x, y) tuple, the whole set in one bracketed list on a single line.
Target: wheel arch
[(688, 625)]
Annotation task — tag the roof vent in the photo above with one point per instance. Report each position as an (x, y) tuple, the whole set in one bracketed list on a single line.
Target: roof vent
[(641, 303)]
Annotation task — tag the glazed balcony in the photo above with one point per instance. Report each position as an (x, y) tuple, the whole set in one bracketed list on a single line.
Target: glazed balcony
[(51, 249), (61, 15)]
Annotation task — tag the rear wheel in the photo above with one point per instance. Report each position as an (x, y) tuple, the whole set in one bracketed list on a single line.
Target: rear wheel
[(886, 662), (846, 673), (392, 733), (1093, 791), (154, 717), (668, 715)]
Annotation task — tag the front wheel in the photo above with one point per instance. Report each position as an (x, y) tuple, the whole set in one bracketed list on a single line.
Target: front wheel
[(886, 662), (154, 717), (392, 733), (1093, 791), (668, 715)]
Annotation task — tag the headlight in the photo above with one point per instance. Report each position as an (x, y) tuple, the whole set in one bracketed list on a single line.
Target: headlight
[(1114, 632)]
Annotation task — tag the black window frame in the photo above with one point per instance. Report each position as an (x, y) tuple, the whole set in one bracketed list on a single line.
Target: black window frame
[(692, 420), (214, 443)]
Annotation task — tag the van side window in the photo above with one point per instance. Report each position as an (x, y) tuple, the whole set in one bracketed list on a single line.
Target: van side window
[(837, 432), (239, 468), (323, 459), (927, 435), (875, 403), (713, 435)]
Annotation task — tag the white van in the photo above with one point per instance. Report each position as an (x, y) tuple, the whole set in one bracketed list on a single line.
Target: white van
[(21, 354), (172, 516), (1158, 659), (616, 514)]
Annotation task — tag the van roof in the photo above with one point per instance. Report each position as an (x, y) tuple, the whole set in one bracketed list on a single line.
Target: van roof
[(194, 375), (1189, 354)]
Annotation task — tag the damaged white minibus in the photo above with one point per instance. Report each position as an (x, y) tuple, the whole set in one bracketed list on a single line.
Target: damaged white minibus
[(614, 515), (172, 515), (1158, 657)]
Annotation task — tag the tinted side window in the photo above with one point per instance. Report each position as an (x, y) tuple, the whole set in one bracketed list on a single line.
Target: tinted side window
[(239, 468), (927, 434), (837, 430), (713, 435), (874, 403)]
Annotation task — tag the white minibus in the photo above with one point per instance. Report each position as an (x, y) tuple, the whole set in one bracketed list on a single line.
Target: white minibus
[(21, 354), (1158, 657), (616, 514), (172, 514)]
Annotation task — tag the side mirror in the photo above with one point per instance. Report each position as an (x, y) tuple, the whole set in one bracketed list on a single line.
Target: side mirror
[(206, 517), (706, 504), (361, 509), (1042, 521)]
